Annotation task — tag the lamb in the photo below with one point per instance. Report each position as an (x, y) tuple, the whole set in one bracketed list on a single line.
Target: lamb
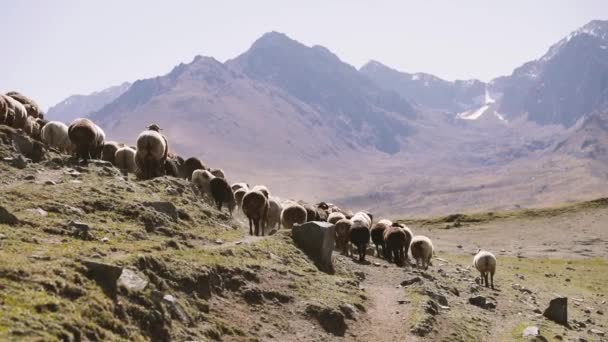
[(342, 235), (422, 251), (87, 138), (360, 233), (19, 112), (31, 107), (396, 243), (55, 134), (293, 213), (108, 152), (222, 194), (485, 262), (263, 189), (334, 217), (377, 234), (218, 173), (274, 213), (241, 185), (125, 159), (191, 164), (201, 180), (255, 207), (151, 154)]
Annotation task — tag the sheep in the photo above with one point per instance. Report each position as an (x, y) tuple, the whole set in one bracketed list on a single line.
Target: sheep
[(311, 212), (342, 235), (362, 218), (125, 159), (241, 185), (485, 262), (396, 243), (190, 165), (238, 197), (31, 107), (274, 213), (360, 233), (108, 152), (263, 189), (201, 180), (174, 166), (32, 127), (3, 110), (293, 213), (151, 154), (334, 217), (19, 112), (255, 207), (87, 138), (55, 134), (421, 248), (377, 234), (218, 173), (222, 194)]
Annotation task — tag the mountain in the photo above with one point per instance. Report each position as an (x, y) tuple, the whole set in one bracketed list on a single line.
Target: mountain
[(590, 140), (426, 89), (567, 84), (77, 106), (319, 78)]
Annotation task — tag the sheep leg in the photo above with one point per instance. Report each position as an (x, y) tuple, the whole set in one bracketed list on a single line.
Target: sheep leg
[(250, 229), (485, 277), (492, 279)]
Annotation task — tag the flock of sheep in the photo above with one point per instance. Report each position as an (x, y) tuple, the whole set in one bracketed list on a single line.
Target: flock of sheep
[(151, 158)]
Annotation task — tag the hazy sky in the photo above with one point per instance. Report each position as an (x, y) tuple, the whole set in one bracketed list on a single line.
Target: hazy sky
[(53, 49)]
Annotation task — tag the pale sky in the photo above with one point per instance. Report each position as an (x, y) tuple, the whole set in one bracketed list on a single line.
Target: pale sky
[(53, 49)]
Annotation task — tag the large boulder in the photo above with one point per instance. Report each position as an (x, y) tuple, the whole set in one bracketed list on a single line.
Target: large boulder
[(317, 240), (7, 218), (558, 311)]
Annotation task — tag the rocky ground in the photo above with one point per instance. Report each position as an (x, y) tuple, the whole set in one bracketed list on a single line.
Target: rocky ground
[(89, 254)]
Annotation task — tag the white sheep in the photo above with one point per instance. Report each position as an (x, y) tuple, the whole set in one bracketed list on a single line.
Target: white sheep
[(274, 213), (55, 134), (292, 213), (334, 217), (152, 150), (202, 180), (362, 218), (263, 189), (485, 262), (19, 112), (422, 251), (241, 185), (125, 159)]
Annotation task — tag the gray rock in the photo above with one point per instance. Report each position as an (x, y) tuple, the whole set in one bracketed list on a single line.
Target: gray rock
[(482, 302), (558, 311), (441, 299), (166, 208), (29, 177), (7, 218), (317, 240), (2, 236), (597, 332), (39, 211), (20, 162), (411, 281), (531, 332), (80, 227), (132, 280), (50, 182)]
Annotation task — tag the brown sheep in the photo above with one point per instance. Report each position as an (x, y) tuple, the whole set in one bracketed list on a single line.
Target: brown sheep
[(222, 194), (192, 164), (31, 107), (291, 214), (377, 234), (311, 211), (87, 138), (238, 197), (151, 154), (125, 159), (343, 235), (108, 152), (174, 166), (255, 207), (396, 241)]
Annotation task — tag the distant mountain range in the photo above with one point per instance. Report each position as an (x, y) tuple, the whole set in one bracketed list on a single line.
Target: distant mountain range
[(77, 106), (300, 119)]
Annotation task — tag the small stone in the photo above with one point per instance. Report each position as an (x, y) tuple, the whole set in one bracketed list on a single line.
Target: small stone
[(219, 241), (597, 332), (599, 312), (39, 211), (50, 182), (7, 218), (2, 236), (587, 310), (537, 311), (377, 264), (20, 162), (403, 301), (531, 332), (411, 281), (132, 280), (29, 177), (459, 246), (81, 227), (567, 280), (104, 239)]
